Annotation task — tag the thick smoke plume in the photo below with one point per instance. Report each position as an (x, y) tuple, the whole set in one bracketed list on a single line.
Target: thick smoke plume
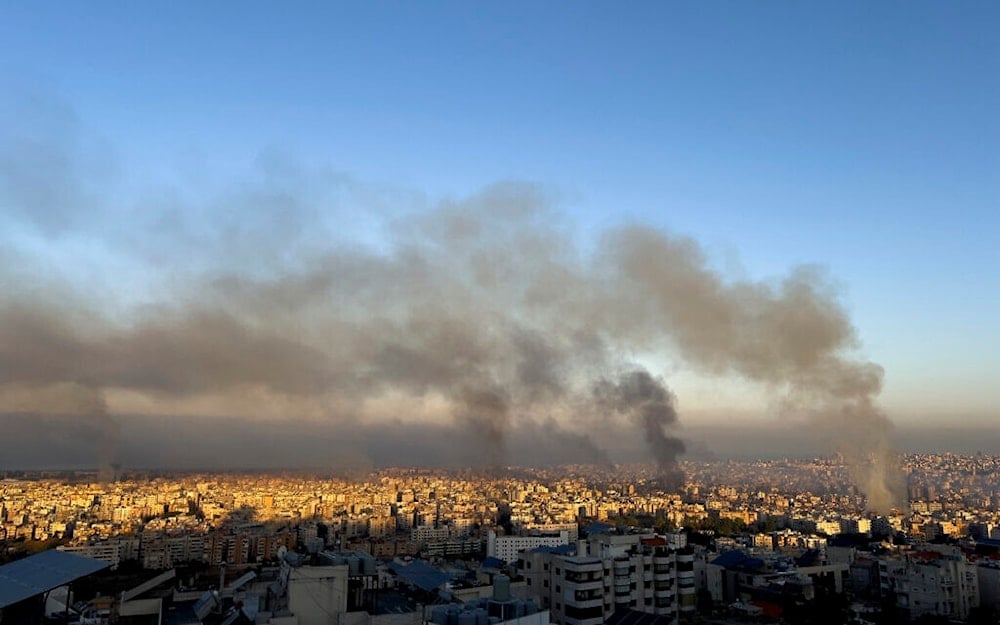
[(486, 314), (649, 404)]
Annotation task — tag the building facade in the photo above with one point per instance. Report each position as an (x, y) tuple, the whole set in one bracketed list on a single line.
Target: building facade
[(606, 574)]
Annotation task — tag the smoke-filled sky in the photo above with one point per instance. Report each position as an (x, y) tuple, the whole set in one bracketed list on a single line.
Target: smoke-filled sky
[(509, 232)]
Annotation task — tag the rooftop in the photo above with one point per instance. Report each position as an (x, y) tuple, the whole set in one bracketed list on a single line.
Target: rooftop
[(42, 572)]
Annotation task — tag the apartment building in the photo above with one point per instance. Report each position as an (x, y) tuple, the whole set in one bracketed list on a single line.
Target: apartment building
[(605, 574), (507, 548), (931, 582)]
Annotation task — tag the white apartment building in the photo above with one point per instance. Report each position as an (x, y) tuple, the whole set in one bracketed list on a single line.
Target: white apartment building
[(609, 573), (112, 550), (931, 583), (506, 548), (554, 528), (424, 534)]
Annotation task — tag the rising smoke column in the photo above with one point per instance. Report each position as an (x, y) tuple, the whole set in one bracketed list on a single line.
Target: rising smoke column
[(794, 337), (839, 396), (647, 402), (487, 411)]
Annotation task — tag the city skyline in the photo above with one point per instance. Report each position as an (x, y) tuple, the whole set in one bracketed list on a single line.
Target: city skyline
[(493, 225)]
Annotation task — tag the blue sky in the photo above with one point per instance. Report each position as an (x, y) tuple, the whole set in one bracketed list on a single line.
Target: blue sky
[(863, 137)]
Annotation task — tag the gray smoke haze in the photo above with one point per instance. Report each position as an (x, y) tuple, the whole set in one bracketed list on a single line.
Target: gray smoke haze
[(485, 314), (796, 338), (68, 412)]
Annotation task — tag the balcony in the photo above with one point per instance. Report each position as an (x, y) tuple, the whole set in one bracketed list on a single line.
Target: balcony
[(585, 585), (583, 576), (588, 602)]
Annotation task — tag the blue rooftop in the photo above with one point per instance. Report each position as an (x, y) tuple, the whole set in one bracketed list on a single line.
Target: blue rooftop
[(559, 550), (600, 528), (40, 573), (493, 563), (420, 574), (738, 560)]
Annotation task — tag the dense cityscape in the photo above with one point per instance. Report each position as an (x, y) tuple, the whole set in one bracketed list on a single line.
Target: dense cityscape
[(499, 313), (790, 533)]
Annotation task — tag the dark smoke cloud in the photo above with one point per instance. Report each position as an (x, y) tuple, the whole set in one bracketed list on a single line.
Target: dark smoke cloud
[(483, 313), (647, 402)]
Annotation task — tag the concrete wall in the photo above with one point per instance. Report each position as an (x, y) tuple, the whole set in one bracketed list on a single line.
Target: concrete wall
[(317, 595)]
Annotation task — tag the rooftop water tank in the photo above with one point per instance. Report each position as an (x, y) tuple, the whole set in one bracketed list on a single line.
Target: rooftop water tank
[(530, 606), (501, 588), (518, 609), (353, 565), (467, 618), (439, 615)]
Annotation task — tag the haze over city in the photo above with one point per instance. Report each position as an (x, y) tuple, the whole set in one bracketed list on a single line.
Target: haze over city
[(488, 235)]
